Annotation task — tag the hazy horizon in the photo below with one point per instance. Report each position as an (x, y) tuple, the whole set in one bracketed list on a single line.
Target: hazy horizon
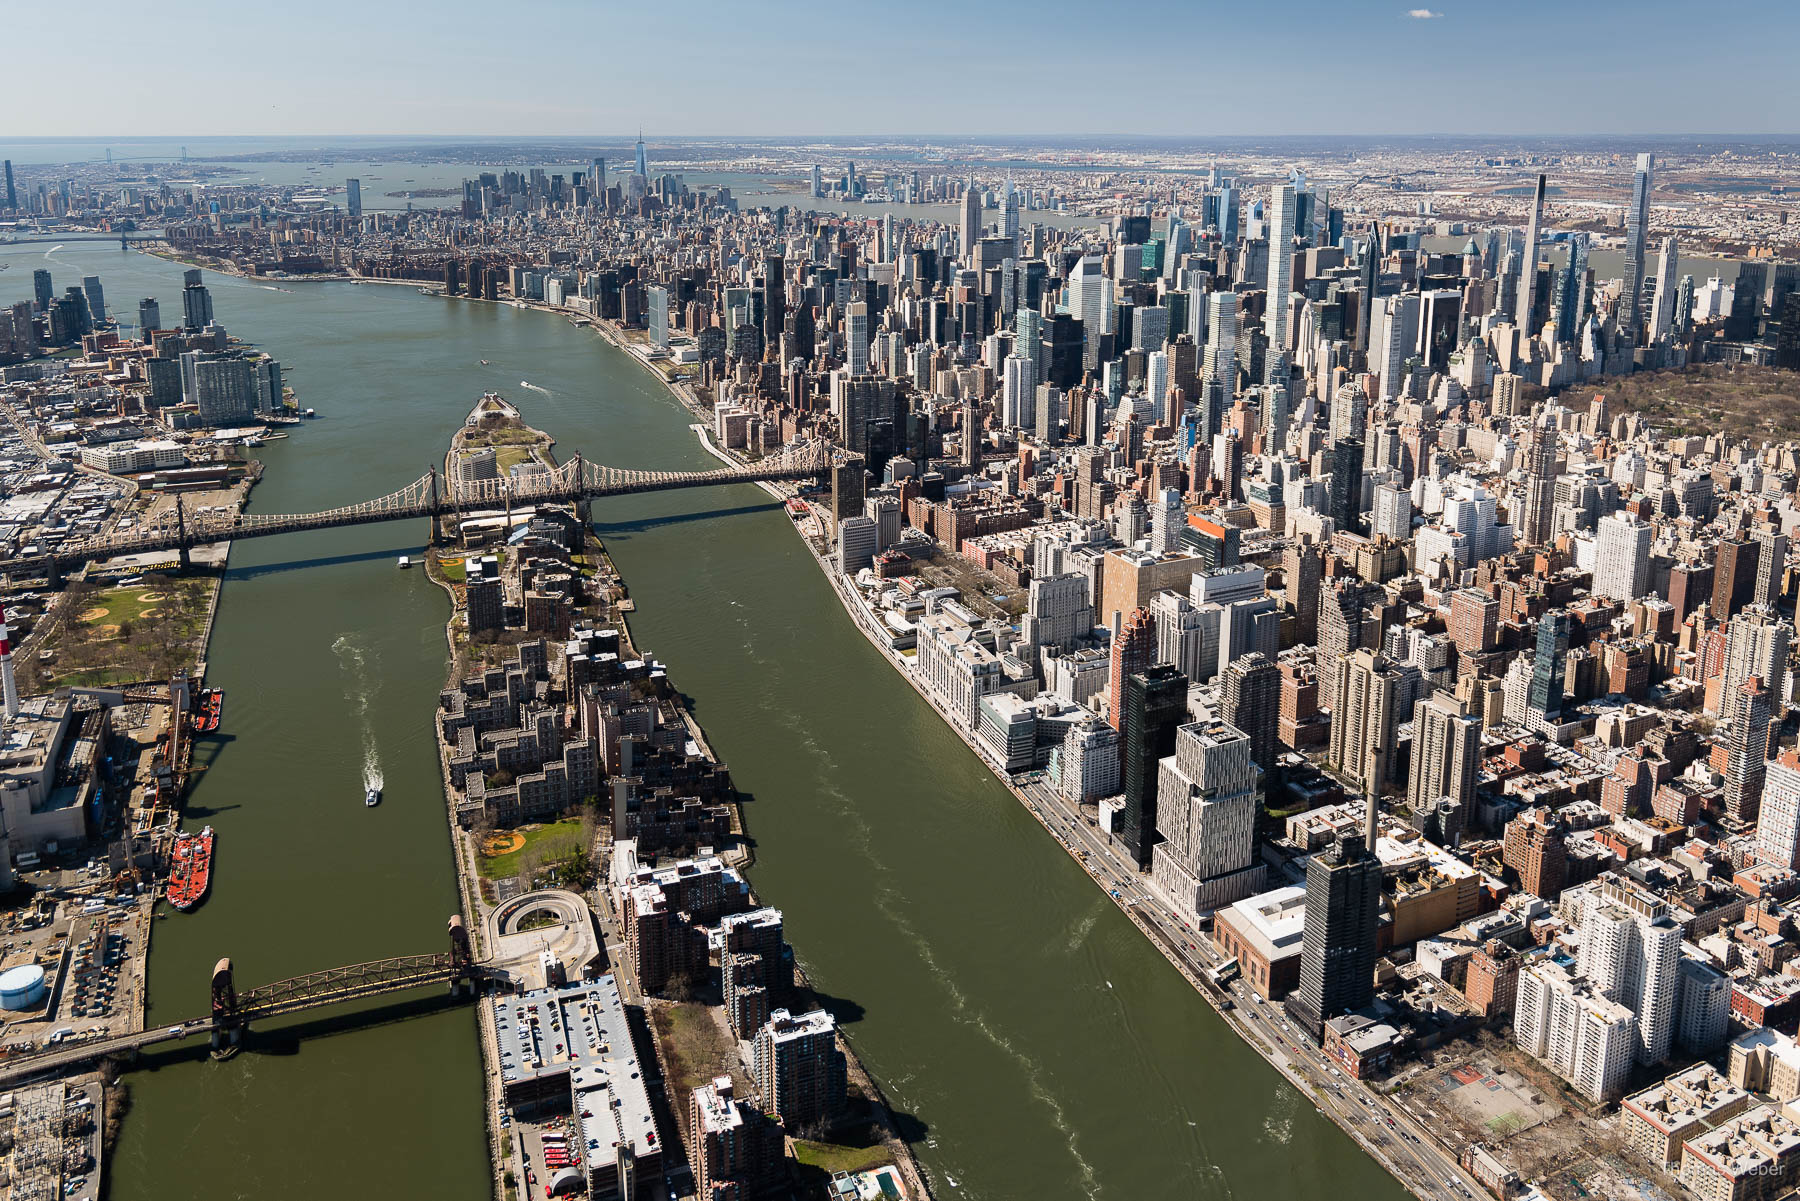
[(1051, 68)]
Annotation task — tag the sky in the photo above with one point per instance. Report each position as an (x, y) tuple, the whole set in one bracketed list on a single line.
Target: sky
[(776, 68)]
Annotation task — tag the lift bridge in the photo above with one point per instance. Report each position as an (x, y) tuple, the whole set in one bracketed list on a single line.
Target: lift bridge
[(233, 1011), (575, 482)]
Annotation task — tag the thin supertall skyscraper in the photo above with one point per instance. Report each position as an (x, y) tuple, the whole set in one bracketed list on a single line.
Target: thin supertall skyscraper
[(1637, 228), (1529, 262), (1281, 264)]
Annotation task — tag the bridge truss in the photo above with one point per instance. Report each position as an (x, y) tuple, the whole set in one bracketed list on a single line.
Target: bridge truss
[(428, 496)]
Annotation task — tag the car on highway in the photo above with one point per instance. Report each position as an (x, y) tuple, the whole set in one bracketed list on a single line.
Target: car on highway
[(177, 1031)]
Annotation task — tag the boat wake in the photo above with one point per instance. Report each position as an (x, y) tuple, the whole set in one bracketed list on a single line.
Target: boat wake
[(53, 249), (534, 387), (359, 690)]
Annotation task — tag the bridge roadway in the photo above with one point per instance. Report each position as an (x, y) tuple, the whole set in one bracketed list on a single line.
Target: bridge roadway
[(316, 990), (574, 482)]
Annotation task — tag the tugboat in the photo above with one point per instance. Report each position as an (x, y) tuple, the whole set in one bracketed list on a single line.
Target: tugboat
[(191, 873), (212, 706), (372, 797)]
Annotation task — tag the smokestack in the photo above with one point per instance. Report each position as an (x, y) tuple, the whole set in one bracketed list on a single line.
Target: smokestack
[(1368, 820), (6, 672)]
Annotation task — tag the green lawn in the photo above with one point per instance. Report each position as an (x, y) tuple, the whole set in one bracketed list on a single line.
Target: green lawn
[(453, 569), (506, 457), (123, 604), (557, 839), (829, 1157)]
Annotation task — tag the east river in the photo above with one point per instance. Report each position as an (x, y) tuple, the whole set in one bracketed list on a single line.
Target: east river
[(1038, 1045)]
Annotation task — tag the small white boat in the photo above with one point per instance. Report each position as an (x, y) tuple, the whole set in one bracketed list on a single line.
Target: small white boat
[(405, 562)]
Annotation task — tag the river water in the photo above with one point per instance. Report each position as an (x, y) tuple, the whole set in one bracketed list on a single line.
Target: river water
[(1042, 1048)]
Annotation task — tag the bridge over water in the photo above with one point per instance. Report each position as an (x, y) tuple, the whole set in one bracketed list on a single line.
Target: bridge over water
[(574, 482), (233, 1011)]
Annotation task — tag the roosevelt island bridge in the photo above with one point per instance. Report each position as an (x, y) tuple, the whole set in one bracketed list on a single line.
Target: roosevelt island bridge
[(233, 1011), (431, 495)]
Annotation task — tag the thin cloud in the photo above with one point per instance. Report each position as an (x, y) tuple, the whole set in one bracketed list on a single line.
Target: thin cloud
[(1422, 14)]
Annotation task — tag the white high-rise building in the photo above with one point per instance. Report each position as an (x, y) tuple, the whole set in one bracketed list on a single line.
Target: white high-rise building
[(1156, 379), (1622, 557), (1221, 338), (856, 325), (1398, 333), (1393, 512), (1630, 953), (1018, 391), (1446, 753), (1756, 645), (1088, 291), (1207, 798), (1662, 306), (1585, 1038), (657, 302), (1281, 265), (1778, 824), (1057, 611), (1180, 635), (1090, 761), (1167, 517)]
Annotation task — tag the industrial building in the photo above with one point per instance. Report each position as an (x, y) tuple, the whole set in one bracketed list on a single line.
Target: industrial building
[(568, 1051)]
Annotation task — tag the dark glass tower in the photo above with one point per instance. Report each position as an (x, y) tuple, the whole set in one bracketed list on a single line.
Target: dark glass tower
[(1337, 958), (1155, 706), (1547, 664)]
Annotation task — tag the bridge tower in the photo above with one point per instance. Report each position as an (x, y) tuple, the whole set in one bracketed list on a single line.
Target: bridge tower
[(437, 531), (584, 508), (228, 1027), (461, 956), (181, 531)]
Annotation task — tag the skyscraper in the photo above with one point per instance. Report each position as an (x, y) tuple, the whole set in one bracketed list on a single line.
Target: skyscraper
[(1155, 707), (971, 221), (1637, 229), (1368, 279), (1662, 306), (1346, 485), (1281, 264), (1746, 751), (774, 299), (1337, 957), (798, 1067), (96, 298), (1756, 647), (1206, 806), (856, 338), (1778, 825), (1538, 507), (1220, 363), (1735, 568), (353, 198), (643, 168), (1546, 696), (42, 289), (12, 197), (1133, 650), (1622, 567), (1446, 752), (149, 316), (1363, 725), (1250, 700), (1528, 263), (196, 301)]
